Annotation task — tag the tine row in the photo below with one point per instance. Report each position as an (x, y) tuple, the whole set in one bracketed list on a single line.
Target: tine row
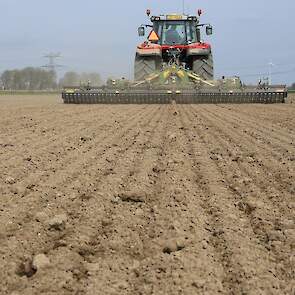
[(181, 98)]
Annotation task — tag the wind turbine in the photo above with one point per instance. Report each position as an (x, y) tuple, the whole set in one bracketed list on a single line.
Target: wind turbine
[(270, 66)]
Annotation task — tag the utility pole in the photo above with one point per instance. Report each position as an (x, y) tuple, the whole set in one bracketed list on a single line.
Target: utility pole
[(52, 65), (183, 7), (270, 66)]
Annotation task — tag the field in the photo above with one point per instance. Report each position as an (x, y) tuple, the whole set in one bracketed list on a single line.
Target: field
[(110, 199)]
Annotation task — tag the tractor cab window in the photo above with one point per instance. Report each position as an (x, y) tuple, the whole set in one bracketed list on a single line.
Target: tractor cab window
[(191, 32), (175, 32)]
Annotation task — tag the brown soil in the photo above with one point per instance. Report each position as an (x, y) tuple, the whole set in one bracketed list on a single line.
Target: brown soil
[(291, 98), (146, 199)]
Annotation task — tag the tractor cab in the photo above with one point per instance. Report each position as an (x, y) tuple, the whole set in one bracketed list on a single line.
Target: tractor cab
[(175, 30)]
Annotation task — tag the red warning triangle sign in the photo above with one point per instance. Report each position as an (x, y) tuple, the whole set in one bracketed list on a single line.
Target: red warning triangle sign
[(153, 37)]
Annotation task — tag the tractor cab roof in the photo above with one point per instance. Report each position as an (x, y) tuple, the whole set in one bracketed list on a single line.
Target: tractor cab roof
[(174, 17)]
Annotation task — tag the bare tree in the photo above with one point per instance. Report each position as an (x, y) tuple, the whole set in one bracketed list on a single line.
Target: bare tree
[(29, 79)]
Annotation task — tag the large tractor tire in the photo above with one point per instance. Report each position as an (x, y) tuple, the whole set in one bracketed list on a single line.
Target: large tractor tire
[(144, 66), (203, 66)]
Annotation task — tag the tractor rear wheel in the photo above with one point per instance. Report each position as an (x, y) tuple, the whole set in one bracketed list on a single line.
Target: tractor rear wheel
[(144, 66), (203, 66)]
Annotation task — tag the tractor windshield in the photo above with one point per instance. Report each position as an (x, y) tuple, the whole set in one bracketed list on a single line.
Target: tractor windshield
[(175, 32)]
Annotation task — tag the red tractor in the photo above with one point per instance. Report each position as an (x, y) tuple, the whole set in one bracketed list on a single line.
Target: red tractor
[(173, 35)]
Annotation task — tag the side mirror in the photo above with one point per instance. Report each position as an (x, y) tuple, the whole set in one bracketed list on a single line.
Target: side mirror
[(209, 30), (141, 31)]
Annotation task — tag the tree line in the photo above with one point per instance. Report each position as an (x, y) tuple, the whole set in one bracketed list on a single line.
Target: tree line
[(76, 79), (40, 79)]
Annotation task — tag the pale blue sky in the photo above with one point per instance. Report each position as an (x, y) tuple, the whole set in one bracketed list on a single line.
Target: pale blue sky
[(101, 36)]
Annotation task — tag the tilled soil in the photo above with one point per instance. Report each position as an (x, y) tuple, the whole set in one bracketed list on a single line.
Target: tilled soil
[(146, 199)]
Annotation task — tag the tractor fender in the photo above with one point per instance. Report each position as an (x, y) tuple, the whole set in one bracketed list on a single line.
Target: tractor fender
[(198, 51), (149, 52), (149, 49)]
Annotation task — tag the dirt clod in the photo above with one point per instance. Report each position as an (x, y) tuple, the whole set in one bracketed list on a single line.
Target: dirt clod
[(10, 180), (58, 222), (136, 197), (172, 137), (26, 269), (275, 235), (173, 245), (40, 261), (41, 217)]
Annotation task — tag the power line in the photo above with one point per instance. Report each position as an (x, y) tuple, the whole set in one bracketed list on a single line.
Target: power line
[(267, 74), (268, 67), (257, 66), (52, 65)]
